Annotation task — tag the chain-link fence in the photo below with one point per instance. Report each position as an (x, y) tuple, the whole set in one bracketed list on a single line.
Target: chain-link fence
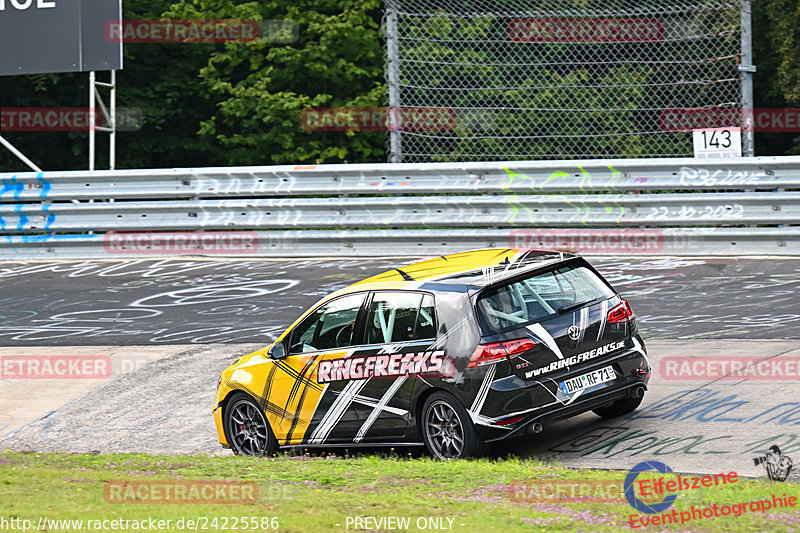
[(564, 79)]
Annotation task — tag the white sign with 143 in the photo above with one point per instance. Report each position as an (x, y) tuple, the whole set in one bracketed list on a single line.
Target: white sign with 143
[(719, 142)]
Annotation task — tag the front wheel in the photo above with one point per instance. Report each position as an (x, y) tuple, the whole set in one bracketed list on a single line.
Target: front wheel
[(618, 408), (447, 429), (247, 428)]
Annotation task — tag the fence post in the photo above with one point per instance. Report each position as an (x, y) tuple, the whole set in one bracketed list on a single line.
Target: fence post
[(746, 70), (393, 77)]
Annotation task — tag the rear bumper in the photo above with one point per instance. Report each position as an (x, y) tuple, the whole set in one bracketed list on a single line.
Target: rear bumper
[(521, 402), (555, 413)]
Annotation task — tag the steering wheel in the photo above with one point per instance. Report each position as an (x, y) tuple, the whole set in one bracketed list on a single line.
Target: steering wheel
[(347, 329)]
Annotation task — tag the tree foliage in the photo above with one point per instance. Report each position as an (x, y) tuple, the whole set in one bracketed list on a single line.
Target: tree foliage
[(776, 50), (336, 61)]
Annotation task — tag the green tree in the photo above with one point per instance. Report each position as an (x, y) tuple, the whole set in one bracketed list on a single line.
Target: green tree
[(263, 86), (776, 51), (162, 80)]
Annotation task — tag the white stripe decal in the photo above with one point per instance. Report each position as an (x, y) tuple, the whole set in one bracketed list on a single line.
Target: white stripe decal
[(452, 330), (519, 255), (373, 416), (491, 422), (538, 330), (584, 324), (477, 405), (574, 397), (558, 393), (638, 348), (337, 410), (373, 402), (603, 318)]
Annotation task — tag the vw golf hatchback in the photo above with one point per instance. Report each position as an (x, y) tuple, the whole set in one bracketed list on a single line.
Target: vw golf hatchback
[(453, 353)]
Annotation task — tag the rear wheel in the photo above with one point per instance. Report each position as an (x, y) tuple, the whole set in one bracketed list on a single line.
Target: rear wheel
[(618, 408), (247, 428), (447, 429)]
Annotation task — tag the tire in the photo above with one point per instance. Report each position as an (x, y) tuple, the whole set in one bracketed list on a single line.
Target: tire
[(456, 437), (618, 408), (246, 427)]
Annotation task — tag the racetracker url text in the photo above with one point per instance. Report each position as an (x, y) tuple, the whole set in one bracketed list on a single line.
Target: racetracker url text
[(196, 523)]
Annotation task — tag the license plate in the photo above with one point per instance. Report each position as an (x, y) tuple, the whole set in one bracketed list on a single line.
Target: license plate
[(584, 381)]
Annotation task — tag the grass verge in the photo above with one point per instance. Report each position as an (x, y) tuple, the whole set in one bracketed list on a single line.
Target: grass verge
[(329, 493)]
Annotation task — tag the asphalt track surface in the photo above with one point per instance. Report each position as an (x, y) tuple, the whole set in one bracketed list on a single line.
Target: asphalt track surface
[(170, 326), (121, 303)]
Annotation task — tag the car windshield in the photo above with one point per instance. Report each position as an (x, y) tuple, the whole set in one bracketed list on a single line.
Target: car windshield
[(538, 297)]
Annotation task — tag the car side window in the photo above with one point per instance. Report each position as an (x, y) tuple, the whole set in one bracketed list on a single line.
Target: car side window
[(400, 316), (426, 319), (329, 326)]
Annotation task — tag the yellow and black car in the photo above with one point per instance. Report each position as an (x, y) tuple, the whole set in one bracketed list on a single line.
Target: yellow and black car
[(452, 352)]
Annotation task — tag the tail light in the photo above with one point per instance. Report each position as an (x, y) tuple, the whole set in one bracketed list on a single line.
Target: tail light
[(621, 313), (486, 354), (512, 420), (641, 372)]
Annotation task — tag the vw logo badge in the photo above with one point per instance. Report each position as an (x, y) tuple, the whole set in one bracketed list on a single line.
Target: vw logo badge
[(574, 332)]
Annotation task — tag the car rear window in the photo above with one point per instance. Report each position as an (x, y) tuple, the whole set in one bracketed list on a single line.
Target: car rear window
[(538, 297)]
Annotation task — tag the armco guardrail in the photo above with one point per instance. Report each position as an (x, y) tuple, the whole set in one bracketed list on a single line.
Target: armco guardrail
[(656, 206)]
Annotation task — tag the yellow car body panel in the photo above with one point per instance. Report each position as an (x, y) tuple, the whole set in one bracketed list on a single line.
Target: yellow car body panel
[(442, 266), (285, 389)]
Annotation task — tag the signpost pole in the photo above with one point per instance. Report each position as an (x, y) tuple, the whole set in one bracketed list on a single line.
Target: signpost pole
[(92, 133), (112, 146)]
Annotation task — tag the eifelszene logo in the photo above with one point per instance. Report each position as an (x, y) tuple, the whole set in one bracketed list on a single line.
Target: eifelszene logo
[(630, 495)]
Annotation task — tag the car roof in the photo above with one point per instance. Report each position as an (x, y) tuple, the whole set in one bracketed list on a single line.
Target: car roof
[(472, 269)]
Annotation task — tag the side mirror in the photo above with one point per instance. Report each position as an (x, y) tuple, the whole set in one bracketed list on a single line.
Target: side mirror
[(277, 351)]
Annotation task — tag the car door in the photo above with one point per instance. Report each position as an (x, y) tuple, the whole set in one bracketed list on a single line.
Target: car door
[(310, 409), (399, 327)]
